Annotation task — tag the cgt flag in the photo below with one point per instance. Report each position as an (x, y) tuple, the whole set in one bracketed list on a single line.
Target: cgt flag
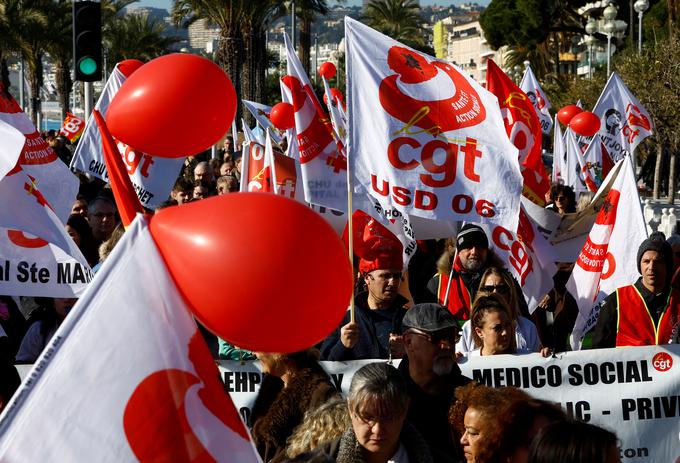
[(147, 390), (624, 121), (524, 129), (533, 90), (424, 139), (72, 128), (608, 258)]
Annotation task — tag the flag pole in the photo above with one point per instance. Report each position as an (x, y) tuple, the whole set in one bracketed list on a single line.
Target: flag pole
[(350, 235)]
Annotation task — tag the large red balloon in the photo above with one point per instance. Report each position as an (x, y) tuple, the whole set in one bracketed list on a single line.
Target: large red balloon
[(173, 106), (328, 70), (128, 66), (261, 271), (585, 123), (282, 116), (565, 114)]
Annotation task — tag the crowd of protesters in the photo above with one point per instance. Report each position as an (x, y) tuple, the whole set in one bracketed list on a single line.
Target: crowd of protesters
[(454, 301)]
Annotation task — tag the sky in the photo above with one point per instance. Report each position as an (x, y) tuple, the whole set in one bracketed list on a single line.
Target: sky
[(166, 4)]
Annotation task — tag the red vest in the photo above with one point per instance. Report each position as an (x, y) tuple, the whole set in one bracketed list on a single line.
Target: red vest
[(459, 297), (635, 326)]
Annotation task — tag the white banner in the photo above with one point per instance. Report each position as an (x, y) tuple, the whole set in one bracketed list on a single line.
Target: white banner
[(624, 122), (424, 138), (631, 391), (30, 266), (533, 89), (152, 177)]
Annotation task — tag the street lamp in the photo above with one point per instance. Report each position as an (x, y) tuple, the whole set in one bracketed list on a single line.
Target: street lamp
[(591, 28), (609, 29), (640, 6), (517, 73)]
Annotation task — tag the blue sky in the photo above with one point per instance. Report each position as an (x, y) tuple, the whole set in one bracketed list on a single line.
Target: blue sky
[(167, 3)]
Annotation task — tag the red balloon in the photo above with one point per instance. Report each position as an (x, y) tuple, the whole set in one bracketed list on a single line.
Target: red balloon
[(565, 114), (261, 271), (128, 66), (328, 70), (337, 95), (173, 106), (282, 116), (585, 123)]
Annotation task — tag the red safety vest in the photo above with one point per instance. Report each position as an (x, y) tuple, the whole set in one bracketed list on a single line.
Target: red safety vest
[(635, 325), (459, 297)]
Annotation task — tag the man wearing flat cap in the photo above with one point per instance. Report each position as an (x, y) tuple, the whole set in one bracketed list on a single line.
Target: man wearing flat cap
[(646, 312), (429, 335)]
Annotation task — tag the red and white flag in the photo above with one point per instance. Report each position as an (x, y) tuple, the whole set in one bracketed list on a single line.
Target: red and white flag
[(608, 258), (261, 114), (524, 130), (259, 175), (526, 254), (72, 127), (337, 116), (147, 390), (152, 177), (597, 163), (624, 122), (56, 182), (425, 139), (323, 165), (559, 153), (538, 99)]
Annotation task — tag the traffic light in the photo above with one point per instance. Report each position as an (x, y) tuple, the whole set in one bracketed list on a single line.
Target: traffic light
[(87, 41)]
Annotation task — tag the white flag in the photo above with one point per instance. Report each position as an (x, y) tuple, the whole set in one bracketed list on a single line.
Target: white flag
[(608, 258), (559, 153), (144, 390), (152, 177), (12, 144), (323, 165), (260, 112), (425, 139), (572, 174), (334, 109), (56, 182), (624, 122), (532, 88)]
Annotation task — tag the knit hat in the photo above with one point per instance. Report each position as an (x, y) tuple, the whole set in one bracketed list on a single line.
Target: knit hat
[(428, 317), (657, 242), (470, 236), (377, 247)]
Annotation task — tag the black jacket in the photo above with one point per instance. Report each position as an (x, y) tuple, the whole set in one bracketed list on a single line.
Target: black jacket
[(368, 346)]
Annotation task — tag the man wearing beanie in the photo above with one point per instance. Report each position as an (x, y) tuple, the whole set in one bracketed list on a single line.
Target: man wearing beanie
[(644, 313), (379, 309), (460, 269)]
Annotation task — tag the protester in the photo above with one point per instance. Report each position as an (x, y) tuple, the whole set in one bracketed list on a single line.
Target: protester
[(79, 230), (226, 167), (460, 271), (564, 200), (203, 171), (574, 442), (227, 184), (556, 312), (496, 280), (473, 415), (323, 424), (106, 248), (379, 310), (102, 218), (644, 313), (228, 351), (227, 149), (493, 331), (80, 206), (201, 190), (378, 402), (182, 191), (432, 375), (296, 383), (45, 324)]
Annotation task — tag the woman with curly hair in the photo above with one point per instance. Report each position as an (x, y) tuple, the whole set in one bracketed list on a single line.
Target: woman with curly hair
[(473, 415), (293, 384), (321, 425)]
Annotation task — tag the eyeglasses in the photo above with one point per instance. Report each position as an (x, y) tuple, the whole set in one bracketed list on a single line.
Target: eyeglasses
[(502, 288), (451, 335), (385, 276)]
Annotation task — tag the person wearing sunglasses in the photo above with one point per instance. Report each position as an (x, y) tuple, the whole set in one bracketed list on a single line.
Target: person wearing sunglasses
[(497, 280), (429, 336)]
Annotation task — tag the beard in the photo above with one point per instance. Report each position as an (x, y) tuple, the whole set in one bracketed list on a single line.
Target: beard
[(472, 264), (442, 365)]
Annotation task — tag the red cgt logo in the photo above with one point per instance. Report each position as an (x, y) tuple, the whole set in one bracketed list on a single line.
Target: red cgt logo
[(463, 109), (662, 361)]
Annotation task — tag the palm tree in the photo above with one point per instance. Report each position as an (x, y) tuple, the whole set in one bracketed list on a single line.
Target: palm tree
[(136, 36), (255, 19), (60, 49), (398, 19), (306, 10)]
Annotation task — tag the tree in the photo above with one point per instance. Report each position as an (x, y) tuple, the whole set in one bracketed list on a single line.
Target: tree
[(306, 10), (60, 49), (398, 19), (136, 36)]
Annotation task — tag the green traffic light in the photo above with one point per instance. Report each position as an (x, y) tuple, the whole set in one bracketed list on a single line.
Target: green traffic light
[(87, 66)]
